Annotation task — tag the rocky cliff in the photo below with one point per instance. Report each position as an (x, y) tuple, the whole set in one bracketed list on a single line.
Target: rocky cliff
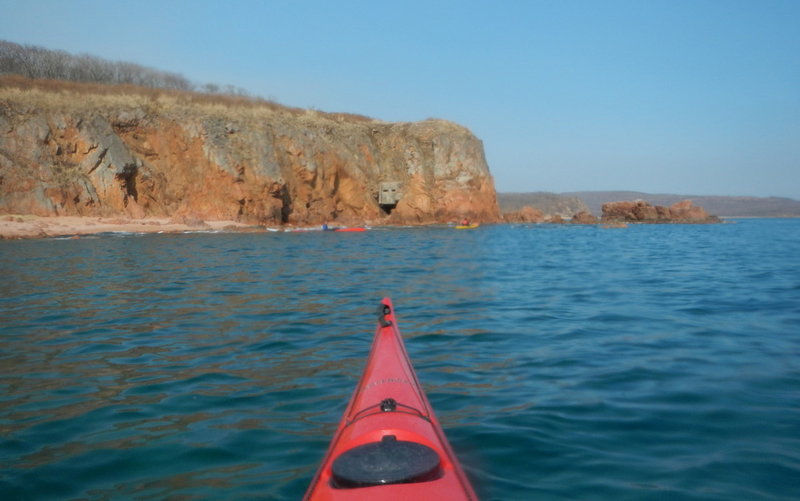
[(76, 149)]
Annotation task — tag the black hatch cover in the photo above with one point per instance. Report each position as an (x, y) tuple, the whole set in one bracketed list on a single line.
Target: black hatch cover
[(389, 461)]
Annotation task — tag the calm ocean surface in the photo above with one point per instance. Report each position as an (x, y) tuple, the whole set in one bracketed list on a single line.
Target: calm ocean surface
[(565, 362)]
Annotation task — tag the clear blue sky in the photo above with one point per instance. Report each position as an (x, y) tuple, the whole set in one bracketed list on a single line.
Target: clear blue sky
[(681, 96)]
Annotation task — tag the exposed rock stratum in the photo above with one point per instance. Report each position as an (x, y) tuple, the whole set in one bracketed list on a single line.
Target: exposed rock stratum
[(81, 150)]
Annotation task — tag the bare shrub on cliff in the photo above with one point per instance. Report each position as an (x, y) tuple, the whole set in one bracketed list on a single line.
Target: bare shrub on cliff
[(39, 63), (348, 117), (65, 95), (31, 68)]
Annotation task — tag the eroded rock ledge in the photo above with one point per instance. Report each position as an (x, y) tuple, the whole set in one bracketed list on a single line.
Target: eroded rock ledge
[(76, 151), (639, 211)]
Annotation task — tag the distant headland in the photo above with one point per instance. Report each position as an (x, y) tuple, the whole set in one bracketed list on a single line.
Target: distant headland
[(73, 149), (83, 136)]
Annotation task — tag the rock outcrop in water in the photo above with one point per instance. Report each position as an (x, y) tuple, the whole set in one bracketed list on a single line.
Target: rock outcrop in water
[(101, 151), (526, 214), (639, 211), (583, 217)]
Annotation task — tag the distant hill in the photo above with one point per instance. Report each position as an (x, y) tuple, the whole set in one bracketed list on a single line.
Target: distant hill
[(548, 203), (569, 203)]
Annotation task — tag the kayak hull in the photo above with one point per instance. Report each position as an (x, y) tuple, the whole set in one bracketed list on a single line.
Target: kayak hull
[(467, 226), (389, 403)]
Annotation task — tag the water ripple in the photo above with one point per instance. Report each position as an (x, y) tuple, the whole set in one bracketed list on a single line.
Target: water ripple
[(565, 362)]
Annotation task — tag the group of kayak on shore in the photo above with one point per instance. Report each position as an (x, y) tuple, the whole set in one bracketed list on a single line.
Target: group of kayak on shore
[(465, 223), (325, 227)]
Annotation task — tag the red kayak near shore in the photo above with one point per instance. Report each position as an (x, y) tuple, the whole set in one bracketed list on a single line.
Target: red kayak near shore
[(389, 444)]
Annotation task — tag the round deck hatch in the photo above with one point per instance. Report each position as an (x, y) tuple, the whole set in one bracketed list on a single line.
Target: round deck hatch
[(389, 461)]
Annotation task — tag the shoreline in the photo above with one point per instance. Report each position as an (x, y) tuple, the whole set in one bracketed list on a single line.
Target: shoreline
[(18, 226), (27, 226), (32, 227)]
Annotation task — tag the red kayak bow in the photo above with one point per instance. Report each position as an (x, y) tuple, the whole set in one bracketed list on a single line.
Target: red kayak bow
[(389, 444)]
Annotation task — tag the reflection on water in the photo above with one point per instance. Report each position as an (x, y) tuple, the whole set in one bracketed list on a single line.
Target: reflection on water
[(565, 362)]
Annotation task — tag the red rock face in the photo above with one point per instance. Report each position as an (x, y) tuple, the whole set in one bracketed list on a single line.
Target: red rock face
[(583, 217), (642, 212), (684, 210), (527, 214), (261, 167)]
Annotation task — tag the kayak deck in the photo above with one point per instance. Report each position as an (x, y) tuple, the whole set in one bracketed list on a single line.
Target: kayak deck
[(389, 444)]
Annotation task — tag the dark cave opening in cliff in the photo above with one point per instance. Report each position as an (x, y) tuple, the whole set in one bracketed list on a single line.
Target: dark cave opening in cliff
[(286, 207), (127, 182), (387, 208)]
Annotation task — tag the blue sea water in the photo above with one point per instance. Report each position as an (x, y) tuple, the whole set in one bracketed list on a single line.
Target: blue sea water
[(565, 362)]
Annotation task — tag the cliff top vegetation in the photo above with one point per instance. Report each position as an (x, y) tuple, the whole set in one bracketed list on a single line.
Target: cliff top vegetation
[(54, 79)]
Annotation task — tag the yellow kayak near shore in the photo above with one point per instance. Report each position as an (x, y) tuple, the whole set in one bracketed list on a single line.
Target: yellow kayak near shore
[(467, 226)]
